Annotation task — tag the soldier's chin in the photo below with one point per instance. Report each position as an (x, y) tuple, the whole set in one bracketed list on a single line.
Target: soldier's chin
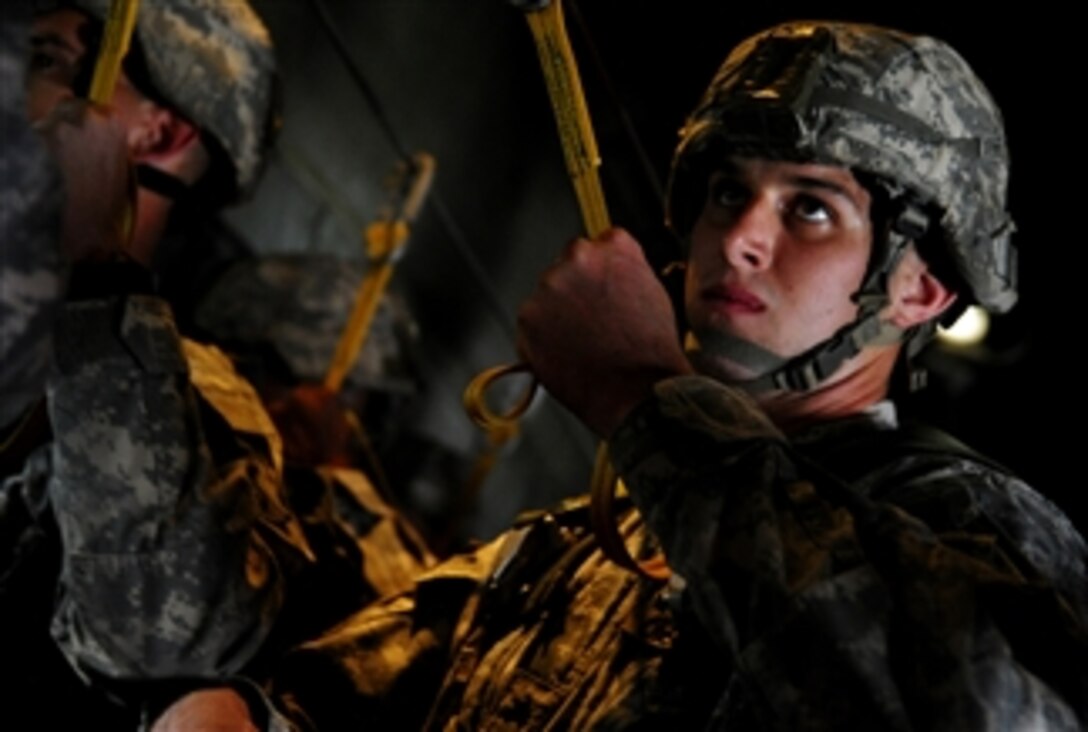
[(721, 368), (717, 364)]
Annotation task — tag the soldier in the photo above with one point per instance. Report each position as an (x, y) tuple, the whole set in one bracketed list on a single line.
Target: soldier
[(153, 537), (840, 188)]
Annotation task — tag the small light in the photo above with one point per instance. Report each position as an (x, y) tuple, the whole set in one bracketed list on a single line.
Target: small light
[(969, 329)]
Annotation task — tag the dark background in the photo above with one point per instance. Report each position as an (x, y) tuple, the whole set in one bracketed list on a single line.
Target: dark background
[(460, 79)]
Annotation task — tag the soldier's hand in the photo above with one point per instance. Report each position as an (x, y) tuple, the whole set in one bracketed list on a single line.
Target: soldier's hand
[(91, 150), (207, 710), (600, 330)]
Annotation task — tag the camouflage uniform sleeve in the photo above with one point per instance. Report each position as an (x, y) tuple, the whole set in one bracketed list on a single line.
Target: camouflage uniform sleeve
[(31, 273), (836, 611), (176, 539)]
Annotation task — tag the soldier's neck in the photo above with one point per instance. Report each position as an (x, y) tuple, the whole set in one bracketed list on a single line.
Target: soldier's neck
[(857, 385), (153, 213)]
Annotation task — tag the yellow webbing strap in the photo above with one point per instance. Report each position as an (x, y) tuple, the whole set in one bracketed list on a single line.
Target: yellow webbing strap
[(385, 242), (603, 487), (571, 114), (116, 39), (380, 236), (582, 160)]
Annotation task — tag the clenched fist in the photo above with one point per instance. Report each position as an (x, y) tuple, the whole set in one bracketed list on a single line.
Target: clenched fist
[(599, 330)]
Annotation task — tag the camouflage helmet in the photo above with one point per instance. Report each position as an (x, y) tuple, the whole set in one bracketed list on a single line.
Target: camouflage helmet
[(905, 111), (295, 307), (213, 61)]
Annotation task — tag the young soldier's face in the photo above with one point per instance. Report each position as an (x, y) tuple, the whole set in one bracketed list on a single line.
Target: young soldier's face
[(776, 254), (58, 57)]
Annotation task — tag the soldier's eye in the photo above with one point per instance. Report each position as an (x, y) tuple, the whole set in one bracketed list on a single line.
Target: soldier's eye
[(811, 210), (728, 193), (41, 61), (52, 61)]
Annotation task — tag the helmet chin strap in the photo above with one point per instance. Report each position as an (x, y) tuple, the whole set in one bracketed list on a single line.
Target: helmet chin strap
[(706, 348), (801, 373), (160, 182)]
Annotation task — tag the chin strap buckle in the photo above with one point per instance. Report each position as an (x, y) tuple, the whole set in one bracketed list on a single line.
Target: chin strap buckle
[(912, 222)]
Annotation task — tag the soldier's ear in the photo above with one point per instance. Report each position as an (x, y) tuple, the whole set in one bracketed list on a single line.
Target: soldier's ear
[(160, 132), (164, 139), (915, 293)]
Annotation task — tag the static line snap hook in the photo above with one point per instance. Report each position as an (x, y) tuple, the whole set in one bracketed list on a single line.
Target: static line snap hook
[(475, 398)]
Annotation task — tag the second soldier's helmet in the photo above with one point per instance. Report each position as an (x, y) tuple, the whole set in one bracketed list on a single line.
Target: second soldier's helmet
[(213, 61), (904, 111), (286, 312)]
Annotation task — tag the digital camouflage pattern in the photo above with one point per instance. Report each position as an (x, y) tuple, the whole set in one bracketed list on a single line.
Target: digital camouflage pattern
[(940, 593), (930, 589), (905, 108), (214, 61), (184, 550), (31, 276), (159, 537), (297, 305), (155, 536)]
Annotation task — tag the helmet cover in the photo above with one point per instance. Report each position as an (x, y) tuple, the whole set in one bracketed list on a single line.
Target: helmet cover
[(906, 110)]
